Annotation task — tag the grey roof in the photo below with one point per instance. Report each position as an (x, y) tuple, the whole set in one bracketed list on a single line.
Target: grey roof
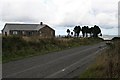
[(23, 26)]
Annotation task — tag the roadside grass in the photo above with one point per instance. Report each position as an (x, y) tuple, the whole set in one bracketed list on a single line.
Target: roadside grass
[(15, 48), (96, 69), (106, 65), (0, 59)]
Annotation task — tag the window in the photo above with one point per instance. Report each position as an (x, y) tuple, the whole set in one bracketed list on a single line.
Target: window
[(40, 33), (23, 32), (32, 33), (15, 32)]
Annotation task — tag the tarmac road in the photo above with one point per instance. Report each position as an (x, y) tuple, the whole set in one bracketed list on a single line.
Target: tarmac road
[(63, 64)]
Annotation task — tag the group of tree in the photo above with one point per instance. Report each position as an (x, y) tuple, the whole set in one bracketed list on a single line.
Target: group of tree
[(93, 31)]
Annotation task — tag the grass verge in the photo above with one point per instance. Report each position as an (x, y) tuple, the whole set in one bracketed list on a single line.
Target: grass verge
[(15, 48), (106, 65)]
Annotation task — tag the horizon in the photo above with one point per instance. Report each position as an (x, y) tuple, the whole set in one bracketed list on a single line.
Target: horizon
[(61, 30)]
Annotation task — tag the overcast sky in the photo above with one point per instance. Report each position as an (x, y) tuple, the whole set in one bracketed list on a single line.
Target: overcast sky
[(62, 14)]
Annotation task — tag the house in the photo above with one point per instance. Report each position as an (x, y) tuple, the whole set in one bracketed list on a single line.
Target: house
[(41, 30)]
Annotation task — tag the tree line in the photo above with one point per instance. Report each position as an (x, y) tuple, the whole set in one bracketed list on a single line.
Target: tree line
[(93, 31)]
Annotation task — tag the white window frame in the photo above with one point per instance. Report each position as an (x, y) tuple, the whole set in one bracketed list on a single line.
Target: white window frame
[(23, 32), (15, 32)]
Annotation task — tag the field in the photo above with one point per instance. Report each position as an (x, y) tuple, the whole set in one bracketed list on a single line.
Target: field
[(15, 48)]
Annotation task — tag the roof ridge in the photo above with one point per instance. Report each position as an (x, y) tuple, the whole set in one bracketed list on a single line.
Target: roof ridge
[(20, 24)]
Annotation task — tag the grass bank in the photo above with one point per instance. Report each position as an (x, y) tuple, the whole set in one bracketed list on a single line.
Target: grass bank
[(14, 47), (107, 64)]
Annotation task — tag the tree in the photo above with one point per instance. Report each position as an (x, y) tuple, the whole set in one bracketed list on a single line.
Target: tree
[(68, 31), (84, 31), (87, 31), (96, 31), (75, 31), (78, 30), (100, 34), (71, 33), (91, 30)]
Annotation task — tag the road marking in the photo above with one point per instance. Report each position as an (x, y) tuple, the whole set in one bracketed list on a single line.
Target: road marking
[(63, 69), (66, 68), (58, 72)]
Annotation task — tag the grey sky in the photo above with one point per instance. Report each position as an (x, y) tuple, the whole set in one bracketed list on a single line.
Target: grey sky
[(62, 13)]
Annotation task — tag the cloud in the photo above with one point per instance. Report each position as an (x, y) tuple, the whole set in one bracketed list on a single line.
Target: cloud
[(33, 10), (107, 21), (61, 12)]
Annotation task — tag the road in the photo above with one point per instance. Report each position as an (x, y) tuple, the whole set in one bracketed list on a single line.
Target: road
[(63, 64)]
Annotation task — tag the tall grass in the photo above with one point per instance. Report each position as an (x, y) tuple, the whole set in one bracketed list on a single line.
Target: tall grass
[(107, 64), (16, 47)]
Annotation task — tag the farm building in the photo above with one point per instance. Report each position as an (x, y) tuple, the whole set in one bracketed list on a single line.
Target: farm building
[(41, 30)]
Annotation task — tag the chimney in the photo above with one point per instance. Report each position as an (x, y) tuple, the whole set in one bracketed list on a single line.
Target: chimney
[(41, 23)]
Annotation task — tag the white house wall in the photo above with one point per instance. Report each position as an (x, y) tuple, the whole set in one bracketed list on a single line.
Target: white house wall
[(6, 30)]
